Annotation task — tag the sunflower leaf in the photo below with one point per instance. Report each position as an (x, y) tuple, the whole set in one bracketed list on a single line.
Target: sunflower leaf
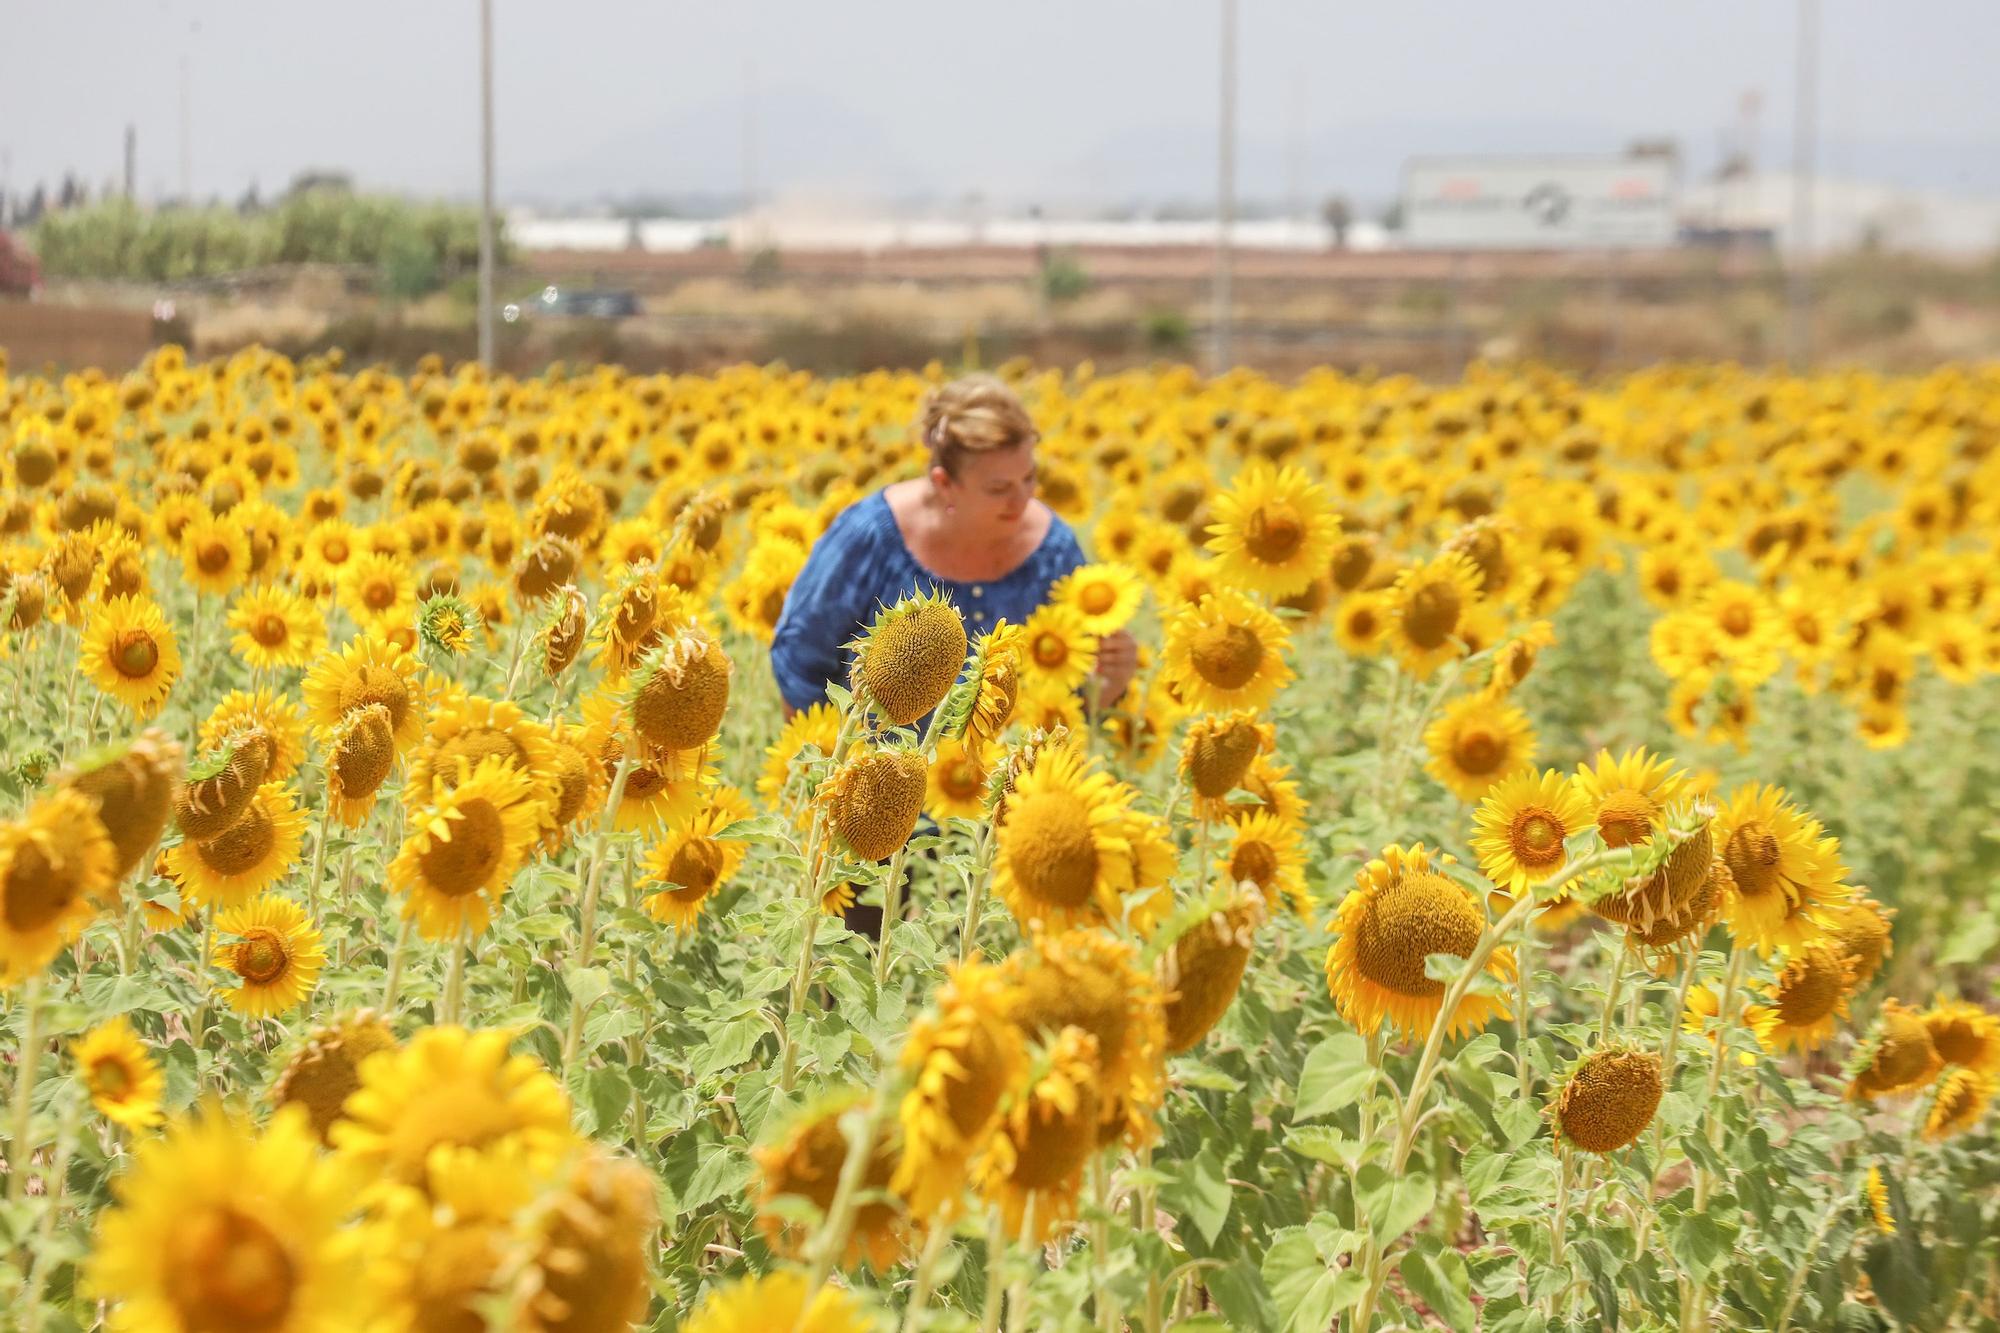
[(1336, 1075)]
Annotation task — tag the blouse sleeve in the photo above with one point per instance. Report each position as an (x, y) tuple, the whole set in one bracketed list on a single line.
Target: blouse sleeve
[(822, 611), (1060, 554)]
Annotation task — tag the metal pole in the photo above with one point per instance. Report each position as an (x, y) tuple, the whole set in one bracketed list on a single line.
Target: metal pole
[(1225, 194), (1799, 278), (187, 138), (486, 183)]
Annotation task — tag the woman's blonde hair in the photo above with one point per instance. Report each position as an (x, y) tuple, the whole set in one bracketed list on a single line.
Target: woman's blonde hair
[(973, 414)]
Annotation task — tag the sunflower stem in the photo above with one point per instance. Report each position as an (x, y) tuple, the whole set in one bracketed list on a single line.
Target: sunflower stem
[(1100, 1244), (19, 1151), (892, 911), (600, 852), (1668, 1050), (818, 860), (975, 892), (393, 984), (454, 978), (1694, 1308), (1524, 1074), (925, 1280), (1797, 1286), (514, 657), (1611, 988), (319, 858), (996, 1253), (1559, 1224), (830, 1242)]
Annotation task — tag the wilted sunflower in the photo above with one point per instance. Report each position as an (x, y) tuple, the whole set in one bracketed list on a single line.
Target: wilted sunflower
[(1105, 597), (910, 655), (961, 1058), (693, 861), (1961, 1101), (278, 955), (1401, 911), (1806, 1001), (779, 1299), (631, 614), (957, 785), (1427, 605), (1476, 742), (220, 785), (128, 650), (1522, 826), (804, 1161), (545, 566), (360, 755), (1032, 1166), (466, 839), (1965, 1035), (1273, 531), (1226, 652), (1898, 1058), (561, 635), (681, 691), (133, 785), (874, 799), (124, 1081), (56, 864), (1216, 755), (1093, 982), (276, 714), (1787, 873), (276, 628), (450, 1089), (1608, 1099), (1269, 852), (1056, 651), (246, 858), (369, 670), (325, 1071), (1201, 973), (218, 1225)]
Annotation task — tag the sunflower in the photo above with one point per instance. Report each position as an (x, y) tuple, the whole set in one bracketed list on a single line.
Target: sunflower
[(1216, 756), (1226, 652), (449, 1089), (805, 1161), (1608, 1099), (248, 857), (1745, 625), (588, 1245), (874, 799), (123, 1079), (325, 1071), (1876, 1194), (1476, 742), (1272, 790), (276, 628), (1362, 623), (1807, 1000), (1704, 1005), (996, 666), (56, 864), (957, 783), (1965, 1035), (1032, 1165), (378, 589), (1201, 973), (464, 845), (1064, 852), (1899, 1058), (369, 670), (1517, 656), (1272, 531), (1787, 874), (1056, 651), (360, 755), (961, 1059), (1093, 982), (440, 1256), (561, 635), (1961, 1101), (779, 1299), (784, 759), (218, 1225), (133, 786), (464, 729), (276, 714), (128, 650), (681, 691), (1269, 852), (693, 861), (215, 554), (278, 957), (1523, 825), (910, 655), (1427, 606), (1105, 597), (659, 791), (630, 618), (1400, 912)]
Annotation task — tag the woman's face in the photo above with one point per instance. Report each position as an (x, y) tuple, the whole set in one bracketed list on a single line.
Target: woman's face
[(993, 489)]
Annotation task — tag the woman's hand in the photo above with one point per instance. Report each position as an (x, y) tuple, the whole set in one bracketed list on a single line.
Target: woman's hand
[(1117, 663)]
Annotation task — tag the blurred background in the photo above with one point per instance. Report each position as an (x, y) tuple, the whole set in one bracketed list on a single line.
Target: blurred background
[(882, 183)]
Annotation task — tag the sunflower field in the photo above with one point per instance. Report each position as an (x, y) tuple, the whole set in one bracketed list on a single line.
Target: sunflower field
[(1545, 875)]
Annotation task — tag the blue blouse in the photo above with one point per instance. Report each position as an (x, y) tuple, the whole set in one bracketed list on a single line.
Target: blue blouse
[(861, 564)]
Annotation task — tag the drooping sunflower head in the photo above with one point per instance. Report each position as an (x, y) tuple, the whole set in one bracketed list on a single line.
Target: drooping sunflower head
[(133, 785), (681, 691), (1218, 751), (561, 635), (993, 681), (961, 1058), (545, 566), (1609, 1099), (220, 787), (1201, 973), (1226, 652), (360, 755), (874, 800), (325, 1071), (124, 1081), (1093, 982), (1861, 930), (276, 714), (1476, 742), (1517, 657), (1523, 825), (1963, 1095), (910, 656), (1965, 1035), (1899, 1057), (1400, 912), (804, 1161), (1673, 890), (56, 864)]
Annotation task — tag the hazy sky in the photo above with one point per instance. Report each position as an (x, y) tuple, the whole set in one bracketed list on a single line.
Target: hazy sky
[(1084, 100)]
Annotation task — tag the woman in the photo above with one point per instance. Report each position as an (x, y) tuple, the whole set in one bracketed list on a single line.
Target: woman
[(970, 528)]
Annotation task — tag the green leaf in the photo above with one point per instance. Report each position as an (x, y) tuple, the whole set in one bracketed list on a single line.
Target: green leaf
[(609, 1095), (1307, 1292), (1323, 1143), (1335, 1076), (1392, 1204), (587, 985), (723, 1169), (1200, 1192), (730, 1045), (1439, 1276), (1698, 1241)]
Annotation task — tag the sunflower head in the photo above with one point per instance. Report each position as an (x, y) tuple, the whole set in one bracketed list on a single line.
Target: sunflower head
[(464, 846), (562, 633), (1609, 1099), (681, 691), (56, 864), (124, 1081), (1965, 1035), (1428, 605), (325, 1071), (219, 789), (1862, 931), (1522, 828), (133, 785), (962, 1058), (1201, 973), (874, 800), (1092, 982), (1218, 752), (779, 1299), (805, 1162), (360, 755), (1961, 1101), (1898, 1058), (588, 1242), (277, 955), (1226, 652), (1032, 1167), (910, 656)]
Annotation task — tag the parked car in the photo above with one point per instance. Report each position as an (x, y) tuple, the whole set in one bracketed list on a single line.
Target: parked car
[(553, 302), (20, 275)]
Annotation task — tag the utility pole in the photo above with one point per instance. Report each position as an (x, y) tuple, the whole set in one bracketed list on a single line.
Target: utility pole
[(752, 232), (1225, 195), (131, 162), (187, 139), (486, 184), (1798, 275)]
